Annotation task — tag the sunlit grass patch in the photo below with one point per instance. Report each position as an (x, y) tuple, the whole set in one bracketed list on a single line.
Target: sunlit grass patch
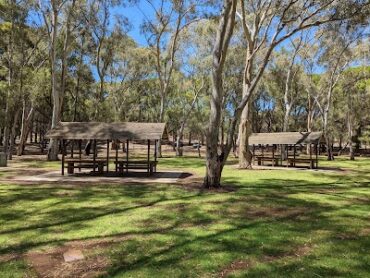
[(280, 223)]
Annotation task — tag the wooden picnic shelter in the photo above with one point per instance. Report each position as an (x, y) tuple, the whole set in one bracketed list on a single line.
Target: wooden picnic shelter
[(70, 133), (286, 141)]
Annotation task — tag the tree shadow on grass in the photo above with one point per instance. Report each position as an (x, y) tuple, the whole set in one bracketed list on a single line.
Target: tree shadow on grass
[(271, 233), (180, 233), (73, 212)]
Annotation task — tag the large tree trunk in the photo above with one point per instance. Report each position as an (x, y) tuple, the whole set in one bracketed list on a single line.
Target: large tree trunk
[(25, 129), (309, 118), (350, 136), (245, 130), (328, 141), (285, 129), (56, 117), (245, 125), (286, 118), (10, 57), (161, 119), (13, 133), (6, 130), (179, 140), (214, 160), (329, 148), (350, 128)]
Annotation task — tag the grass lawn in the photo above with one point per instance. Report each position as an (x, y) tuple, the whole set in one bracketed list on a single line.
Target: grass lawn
[(274, 223)]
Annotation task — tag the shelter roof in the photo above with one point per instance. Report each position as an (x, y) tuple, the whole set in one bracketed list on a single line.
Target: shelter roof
[(285, 138), (109, 131)]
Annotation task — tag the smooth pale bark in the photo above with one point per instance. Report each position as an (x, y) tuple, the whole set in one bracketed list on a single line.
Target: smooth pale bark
[(245, 130), (350, 127), (245, 125), (310, 115), (350, 142), (179, 140), (328, 140), (13, 133), (25, 129), (56, 116), (160, 120), (325, 113), (10, 61), (65, 52), (289, 99), (6, 131), (215, 161)]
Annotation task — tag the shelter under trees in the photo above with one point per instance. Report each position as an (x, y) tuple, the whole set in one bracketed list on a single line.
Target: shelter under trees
[(72, 136), (280, 147)]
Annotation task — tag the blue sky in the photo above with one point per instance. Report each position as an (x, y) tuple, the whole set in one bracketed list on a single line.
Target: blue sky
[(135, 15)]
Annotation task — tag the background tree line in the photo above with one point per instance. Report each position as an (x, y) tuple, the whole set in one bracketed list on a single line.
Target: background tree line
[(232, 66)]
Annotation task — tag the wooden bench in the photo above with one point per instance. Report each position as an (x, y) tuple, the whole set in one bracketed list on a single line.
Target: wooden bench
[(274, 160), (150, 166), (86, 164), (311, 162)]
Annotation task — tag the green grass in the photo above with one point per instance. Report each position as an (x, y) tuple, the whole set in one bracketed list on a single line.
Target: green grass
[(274, 223)]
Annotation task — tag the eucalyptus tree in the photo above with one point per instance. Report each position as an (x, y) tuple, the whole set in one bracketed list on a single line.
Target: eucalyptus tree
[(193, 79), (131, 66), (11, 22), (98, 15), (8, 18), (215, 161), (57, 19), (334, 55), (351, 106), (21, 58), (266, 24), (82, 82), (162, 33)]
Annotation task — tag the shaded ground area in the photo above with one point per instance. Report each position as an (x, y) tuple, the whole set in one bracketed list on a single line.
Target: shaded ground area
[(47, 176), (272, 223)]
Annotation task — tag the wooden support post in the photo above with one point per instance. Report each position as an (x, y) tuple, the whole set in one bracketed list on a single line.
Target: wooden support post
[(155, 150), (107, 156), (155, 155), (286, 151), (80, 152), (94, 156), (63, 153), (294, 153), (273, 155), (116, 155), (127, 145), (262, 154), (310, 151), (317, 156), (148, 158), (281, 154), (72, 141)]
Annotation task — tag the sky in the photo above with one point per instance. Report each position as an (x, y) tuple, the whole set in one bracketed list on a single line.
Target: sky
[(134, 13)]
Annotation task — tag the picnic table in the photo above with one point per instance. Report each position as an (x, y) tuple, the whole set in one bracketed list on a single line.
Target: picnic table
[(312, 163), (85, 163), (150, 166), (274, 160)]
